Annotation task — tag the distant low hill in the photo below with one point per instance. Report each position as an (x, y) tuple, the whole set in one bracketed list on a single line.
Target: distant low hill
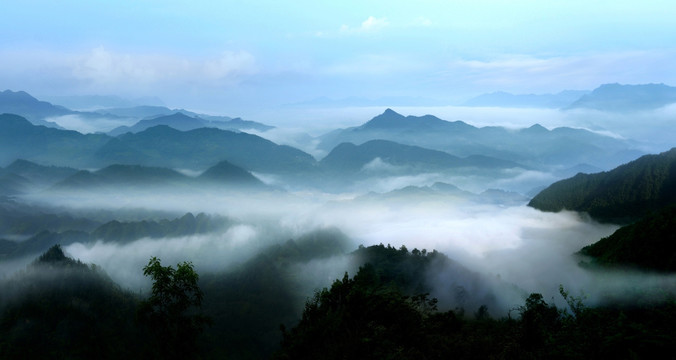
[(183, 122), (621, 195), (23, 104), (125, 177), (535, 146), (504, 99), (350, 157), (40, 175), (617, 97), (201, 148)]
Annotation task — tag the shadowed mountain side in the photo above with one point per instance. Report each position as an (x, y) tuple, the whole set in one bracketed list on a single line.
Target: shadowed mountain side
[(19, 139), (352, 158), (201, 148), (535, 146), (249, 304), (62, 308), (650, 243), (621, 195)]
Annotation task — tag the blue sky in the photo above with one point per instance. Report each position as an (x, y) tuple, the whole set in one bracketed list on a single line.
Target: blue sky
[(224, 56)]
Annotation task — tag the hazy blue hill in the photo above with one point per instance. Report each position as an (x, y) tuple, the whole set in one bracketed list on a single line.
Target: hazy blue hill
[(225, 173), (535, 146), (45, 239), (27, 220), (623, 194), (650, 243), (142, 111), (23, 104), (123, 176), (177, 121), (40, 174), (13, 184), (504, 99), (201, 148), (391, 120), (19, 139), (617, 97), (188, 224), (350, 157)]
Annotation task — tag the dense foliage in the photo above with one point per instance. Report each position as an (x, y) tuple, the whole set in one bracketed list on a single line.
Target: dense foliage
[(169, 312), (649, 243), (622, 195), (366, 318), (60, 308)]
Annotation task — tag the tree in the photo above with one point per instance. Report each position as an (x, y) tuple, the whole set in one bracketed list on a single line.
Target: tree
[(172, 310)]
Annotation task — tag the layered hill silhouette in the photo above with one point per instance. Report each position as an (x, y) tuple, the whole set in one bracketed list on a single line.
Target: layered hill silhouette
[(200, 148), (20, 102), (159, 146), (126, 177), (20, 139), (535, 146), (621, 195), (350, 157), (184, 122)]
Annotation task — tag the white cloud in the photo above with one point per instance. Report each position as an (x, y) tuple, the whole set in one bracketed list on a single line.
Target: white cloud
[(104, 71), (370, 24)]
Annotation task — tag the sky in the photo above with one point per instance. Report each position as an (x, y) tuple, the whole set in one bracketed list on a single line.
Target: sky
[(224, 57)]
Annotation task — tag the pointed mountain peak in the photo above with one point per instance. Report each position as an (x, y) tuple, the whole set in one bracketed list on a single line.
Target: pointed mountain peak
[(537, 128), (390, 112)]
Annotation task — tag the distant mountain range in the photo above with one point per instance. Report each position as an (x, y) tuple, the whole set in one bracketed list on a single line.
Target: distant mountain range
[(504, 99), (41, 112), (24, 104), (157, 146), (181, 121), (616, 97), (348, 157), (535, 147), (123, 177), (607, 97)]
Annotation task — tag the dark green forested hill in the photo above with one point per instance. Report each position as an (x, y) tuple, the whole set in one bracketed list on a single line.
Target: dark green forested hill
[(60, 308), (621, 195), (650, 243)]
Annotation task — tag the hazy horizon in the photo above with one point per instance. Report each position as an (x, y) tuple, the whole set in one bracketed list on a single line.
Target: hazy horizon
[(237, 58)]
